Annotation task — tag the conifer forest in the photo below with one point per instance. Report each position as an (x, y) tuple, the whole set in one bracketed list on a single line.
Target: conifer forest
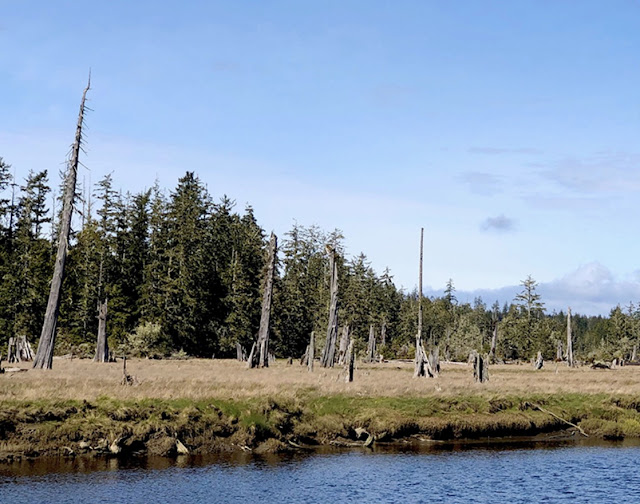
[(182, 272)]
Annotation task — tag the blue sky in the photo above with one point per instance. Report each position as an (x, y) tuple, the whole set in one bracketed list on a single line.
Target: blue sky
[(509, 130)]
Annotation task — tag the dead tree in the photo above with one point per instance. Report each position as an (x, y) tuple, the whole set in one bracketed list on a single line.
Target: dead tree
[(329, 352), (350, 361), (344, 345), (127, 379), (304, 360), (383, 334), (434, 361), (371, 346), (262, 357), (102, 348), (419, 358), (539, 361), (311, 351), (559, 351), (634, 354), (11, 351), (494, 343), (480, 368), (240, 353), (570, 361), (44, 355)]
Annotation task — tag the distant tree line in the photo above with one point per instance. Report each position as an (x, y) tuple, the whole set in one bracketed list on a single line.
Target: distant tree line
[(182, 272)]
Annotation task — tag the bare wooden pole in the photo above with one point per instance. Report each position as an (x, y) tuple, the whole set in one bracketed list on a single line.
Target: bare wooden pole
[(44, 354), (570, 362), (102, 348), (265, 318)]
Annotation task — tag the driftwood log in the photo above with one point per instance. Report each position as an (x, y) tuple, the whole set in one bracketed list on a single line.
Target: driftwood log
[(102, 348), (329, 352), (44, 354)]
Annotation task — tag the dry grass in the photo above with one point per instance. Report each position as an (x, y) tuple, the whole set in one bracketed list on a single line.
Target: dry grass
[(229, 379)]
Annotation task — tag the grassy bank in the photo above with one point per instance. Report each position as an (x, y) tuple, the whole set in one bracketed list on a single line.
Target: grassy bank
[(213, 406)]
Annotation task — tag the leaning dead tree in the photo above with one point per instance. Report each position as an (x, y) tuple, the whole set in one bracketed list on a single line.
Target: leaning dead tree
[(102, 348), (570, 361), (371, 346), (44, 355), (329, 351), (260, 357)]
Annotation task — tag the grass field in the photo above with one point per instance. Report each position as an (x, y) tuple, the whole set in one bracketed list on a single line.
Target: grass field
[(213, 405)]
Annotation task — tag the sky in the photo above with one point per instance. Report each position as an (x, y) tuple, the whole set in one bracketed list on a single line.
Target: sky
[(509, 130)]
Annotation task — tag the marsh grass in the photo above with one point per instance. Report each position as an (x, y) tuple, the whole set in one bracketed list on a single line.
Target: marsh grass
[(217, 404)]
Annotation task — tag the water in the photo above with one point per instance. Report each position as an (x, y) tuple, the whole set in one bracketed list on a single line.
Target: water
[(563, 473)]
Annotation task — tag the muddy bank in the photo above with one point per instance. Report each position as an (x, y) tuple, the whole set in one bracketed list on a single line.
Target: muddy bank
[(168, 428)]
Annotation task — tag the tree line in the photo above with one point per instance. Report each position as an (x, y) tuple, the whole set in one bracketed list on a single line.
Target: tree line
[(182, 273)]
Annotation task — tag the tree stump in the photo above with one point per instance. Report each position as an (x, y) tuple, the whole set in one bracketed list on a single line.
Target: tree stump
[(539, 361), (102, 348), (480, 368), (434, 361), (241, 354), (344, 345), (351, 357), (311, 353), (371, 346)]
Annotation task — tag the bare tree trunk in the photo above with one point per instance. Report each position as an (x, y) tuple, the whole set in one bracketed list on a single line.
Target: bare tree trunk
[(494, 344), (344, 345), (328, 354), (371, 347), (480, 367), (102, 348), (634, 355), (311, 353), (559, 351), (570, 362), (44, 355), (12, 354), (351, 357), (539, 361), (383, 334), (434, 361), (420, 355), (265, 318)]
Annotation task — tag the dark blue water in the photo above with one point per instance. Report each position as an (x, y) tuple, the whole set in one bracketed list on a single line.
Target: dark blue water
[(561, 474)]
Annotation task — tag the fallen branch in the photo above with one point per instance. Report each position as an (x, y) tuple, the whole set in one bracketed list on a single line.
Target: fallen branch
[(538, 407)]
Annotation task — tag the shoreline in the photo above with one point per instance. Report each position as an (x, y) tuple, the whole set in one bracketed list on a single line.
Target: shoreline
[(110, 427)]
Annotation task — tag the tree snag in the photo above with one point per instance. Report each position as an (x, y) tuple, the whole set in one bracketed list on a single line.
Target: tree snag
[(371, 346), (480, 368), (344, 345), (494, 343), (539, 361), (570, 361), (311, 351), (351, 357), (44, 354), (102, 348), (261, 357), (328, 354)]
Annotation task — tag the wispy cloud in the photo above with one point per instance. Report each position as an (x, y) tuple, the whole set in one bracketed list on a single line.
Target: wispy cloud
[(501, 224), (503, 150), (604, 172), (591, 289), (482, 183)]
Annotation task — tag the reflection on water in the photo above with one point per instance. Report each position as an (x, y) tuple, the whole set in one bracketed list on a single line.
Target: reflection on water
[(413, 472)]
